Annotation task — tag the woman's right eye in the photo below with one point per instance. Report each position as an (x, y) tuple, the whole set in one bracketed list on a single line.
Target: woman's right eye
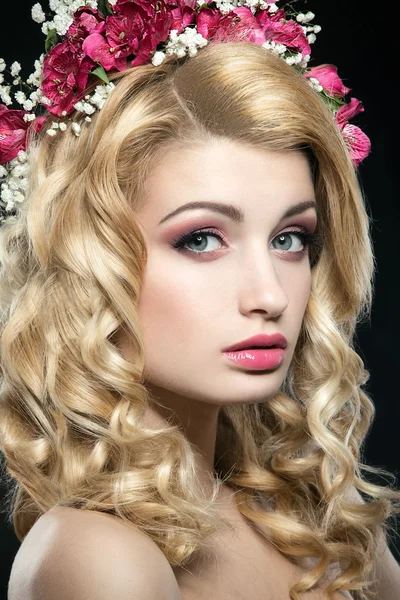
[(198, 239)]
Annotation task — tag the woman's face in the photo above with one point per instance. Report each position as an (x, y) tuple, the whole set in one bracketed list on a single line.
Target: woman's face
[(234, 279)]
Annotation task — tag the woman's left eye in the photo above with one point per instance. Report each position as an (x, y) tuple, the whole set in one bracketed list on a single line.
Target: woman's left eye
[(198, 239)]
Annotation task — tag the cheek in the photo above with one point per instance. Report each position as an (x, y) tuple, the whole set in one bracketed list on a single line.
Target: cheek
[(298, 291), (167, 308)]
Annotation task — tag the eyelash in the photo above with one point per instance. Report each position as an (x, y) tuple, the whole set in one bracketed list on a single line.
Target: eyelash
[(309, 240)]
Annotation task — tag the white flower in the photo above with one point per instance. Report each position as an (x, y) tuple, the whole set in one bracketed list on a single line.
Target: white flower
[(273, 8), (3, 172), (7, 196), (47, 26), (36, 77), (158, 58), (225, 7), (300, 18), (315, 84), (28, 105), (5, 94), (187, 42), (45, 100), (35, 97), (54, 4), (20, 170), (311, 38), (62, 126), (317, 28), (37, 13), (1, 78), (309, 16), (29, 117), (15, 68), (2, 65), (20, 97), (18, 197), (76, 128), (88, 108), (304, 61), (51, 132), (275, 48)]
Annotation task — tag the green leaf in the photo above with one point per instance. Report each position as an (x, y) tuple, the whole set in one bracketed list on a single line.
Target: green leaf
[(101, 74), (104, 8), (51, 39)]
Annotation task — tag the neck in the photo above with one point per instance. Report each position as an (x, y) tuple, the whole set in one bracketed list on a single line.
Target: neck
[(198, 421)]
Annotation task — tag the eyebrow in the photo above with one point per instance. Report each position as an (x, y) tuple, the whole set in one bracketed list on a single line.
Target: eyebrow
[(235, 213)]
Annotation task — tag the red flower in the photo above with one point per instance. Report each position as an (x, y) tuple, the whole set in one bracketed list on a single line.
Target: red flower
[(13, 132), (86, 21), (358, 144), (133, 32), (238, 25), (289, 33), (329, 79), (65, 74), (183, 15)]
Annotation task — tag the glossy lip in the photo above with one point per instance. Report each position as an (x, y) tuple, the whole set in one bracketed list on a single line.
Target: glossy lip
[(260, 340)]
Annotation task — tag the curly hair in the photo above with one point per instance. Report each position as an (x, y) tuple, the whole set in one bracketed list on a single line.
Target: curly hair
[(72, 264)]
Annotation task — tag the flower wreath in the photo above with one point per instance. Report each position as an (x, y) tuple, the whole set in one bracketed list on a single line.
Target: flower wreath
[(86, 39)]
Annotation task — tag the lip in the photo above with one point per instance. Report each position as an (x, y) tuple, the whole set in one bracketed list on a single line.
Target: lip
[(260, 340)]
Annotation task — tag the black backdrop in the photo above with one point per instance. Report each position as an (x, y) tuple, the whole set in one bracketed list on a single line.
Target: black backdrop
[(360, 41)]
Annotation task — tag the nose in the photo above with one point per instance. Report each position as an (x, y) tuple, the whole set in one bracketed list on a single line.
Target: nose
[(261, 289)]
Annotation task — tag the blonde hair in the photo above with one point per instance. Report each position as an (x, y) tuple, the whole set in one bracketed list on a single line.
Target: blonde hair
[(72, 265)]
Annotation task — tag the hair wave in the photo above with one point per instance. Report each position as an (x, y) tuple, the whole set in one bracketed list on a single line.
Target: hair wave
[(72, 265)]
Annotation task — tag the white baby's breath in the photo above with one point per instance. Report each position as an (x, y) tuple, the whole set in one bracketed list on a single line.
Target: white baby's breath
[(186, 43), (76, 128), (20, 97), (5, 94), (63, 17), (315, 84), (13, 184), (15, 68), (37, 13), (158, 58)]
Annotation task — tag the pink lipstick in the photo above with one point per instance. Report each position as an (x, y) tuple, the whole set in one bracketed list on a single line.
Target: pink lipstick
[(261, 352)]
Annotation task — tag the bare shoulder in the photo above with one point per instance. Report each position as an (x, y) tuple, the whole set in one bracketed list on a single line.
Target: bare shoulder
[(71, 554)]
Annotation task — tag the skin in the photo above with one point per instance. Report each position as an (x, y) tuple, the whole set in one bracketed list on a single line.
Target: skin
[(193, 305)]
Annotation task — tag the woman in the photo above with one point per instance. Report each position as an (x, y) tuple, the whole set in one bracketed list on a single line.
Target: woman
[(157, 449)]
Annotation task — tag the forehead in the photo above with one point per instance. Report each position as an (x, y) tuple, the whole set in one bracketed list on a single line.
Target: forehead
[(227, 171)]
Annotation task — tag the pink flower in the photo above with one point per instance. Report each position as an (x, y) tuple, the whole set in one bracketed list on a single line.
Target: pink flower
[(329, 79), (183, 15), (358, 144), (13, 132), (348, 111), (285, 32), (238, 25), (86, 21), (241, 25), (131, 31), (65, 74)]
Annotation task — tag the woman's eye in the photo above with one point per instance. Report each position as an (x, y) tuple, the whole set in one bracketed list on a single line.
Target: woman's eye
[(284, 241), (198, 242)]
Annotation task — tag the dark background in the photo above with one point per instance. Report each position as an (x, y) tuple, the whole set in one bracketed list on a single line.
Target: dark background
[(360, 41)]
